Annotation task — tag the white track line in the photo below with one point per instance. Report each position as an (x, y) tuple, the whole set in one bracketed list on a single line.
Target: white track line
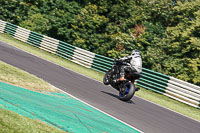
[(99, 110)]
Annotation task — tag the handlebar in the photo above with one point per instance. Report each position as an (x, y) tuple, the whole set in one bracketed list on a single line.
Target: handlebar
[(120, 62)]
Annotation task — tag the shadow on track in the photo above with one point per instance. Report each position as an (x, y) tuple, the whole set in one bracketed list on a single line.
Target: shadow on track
[(116, 96)]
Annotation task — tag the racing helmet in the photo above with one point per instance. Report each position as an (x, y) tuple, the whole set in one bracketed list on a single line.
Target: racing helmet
[(135, 52)]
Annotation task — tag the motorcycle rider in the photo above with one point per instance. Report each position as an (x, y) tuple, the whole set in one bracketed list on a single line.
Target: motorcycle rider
[(133, 64)]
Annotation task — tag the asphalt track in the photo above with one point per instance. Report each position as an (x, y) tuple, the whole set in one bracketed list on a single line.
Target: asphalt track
[(139, 113)]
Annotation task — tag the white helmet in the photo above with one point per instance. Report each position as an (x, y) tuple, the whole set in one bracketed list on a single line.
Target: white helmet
[(135, 52)]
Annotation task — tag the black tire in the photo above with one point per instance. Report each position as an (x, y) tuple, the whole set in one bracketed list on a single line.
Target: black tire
[(106, 79), (127, 95)]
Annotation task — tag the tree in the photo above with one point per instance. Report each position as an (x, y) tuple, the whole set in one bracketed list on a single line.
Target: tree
[(13, 11), (88, 31), (36, 22), (185, 38)]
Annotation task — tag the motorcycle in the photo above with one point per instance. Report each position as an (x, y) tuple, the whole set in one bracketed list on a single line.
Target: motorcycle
[(126, 87)]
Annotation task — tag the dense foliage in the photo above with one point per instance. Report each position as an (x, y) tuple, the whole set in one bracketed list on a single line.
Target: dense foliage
[(167, 32)]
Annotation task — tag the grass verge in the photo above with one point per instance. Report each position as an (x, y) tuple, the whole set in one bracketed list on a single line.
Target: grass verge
[(11, 122), (17, 77), (143, 93)]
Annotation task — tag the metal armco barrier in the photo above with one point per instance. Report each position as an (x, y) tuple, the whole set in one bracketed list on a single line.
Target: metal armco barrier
[(169, 86), (157, 82)]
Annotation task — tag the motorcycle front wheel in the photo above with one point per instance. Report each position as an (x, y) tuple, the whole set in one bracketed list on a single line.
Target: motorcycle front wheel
[(127, 91), (106, 78)]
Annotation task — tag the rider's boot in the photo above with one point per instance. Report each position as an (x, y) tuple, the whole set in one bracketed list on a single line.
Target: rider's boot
[(137, 89)]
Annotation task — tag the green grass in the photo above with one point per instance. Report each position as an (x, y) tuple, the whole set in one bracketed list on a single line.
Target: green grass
[(15, 76), (11, 122), (143, 93)]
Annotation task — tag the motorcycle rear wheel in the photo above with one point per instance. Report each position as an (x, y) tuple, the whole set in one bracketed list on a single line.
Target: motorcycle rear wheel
[(127, 93)]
